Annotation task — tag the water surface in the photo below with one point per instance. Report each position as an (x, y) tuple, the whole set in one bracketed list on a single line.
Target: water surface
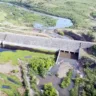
[(60, 23)]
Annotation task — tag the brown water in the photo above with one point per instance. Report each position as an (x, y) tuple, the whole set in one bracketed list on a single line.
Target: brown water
[(69, 55)]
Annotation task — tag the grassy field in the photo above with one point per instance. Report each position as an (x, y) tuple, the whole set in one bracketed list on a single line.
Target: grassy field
[(78, 11), (7, 56), (21, 17), (36, 59), (9, 87)]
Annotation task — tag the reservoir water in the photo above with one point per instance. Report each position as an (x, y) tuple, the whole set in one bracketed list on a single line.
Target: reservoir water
[(60, 23)]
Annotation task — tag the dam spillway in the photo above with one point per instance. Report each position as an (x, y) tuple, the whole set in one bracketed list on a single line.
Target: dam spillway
[(11, 39)]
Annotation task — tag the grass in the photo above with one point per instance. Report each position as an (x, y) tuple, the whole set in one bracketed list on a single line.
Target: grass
[(2, 16), (13, 87), (80, 12), (24, 55), (7, 56), (19, 16), (77, 11)]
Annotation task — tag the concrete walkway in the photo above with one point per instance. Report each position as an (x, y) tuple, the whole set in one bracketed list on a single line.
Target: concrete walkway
[(9, 39)]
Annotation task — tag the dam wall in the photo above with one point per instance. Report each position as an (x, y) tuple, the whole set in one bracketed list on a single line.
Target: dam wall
[(10, 39)]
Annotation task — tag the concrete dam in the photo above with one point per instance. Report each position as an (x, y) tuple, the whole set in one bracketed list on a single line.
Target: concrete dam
[(36, 42)]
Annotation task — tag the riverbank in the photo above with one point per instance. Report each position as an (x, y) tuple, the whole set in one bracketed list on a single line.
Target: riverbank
[(20, 17), (79, 15), (77, 28)]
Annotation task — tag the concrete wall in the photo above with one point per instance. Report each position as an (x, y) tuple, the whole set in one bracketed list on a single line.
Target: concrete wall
[(43, 42)]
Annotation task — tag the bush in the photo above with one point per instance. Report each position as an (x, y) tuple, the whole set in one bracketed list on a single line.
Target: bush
[(89, 36), (26, 92), (67, 80), (86, 62), (94, 50), (14, 71), (93, 14), (49, 90), (74, 91), (78, 80), (41, 65), (61, 33), (34, 87), (37, 94)]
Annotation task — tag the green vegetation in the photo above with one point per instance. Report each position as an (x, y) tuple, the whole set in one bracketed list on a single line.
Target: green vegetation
[(7, 56), (61, 33), (89, 36), (41, 65), (86, 86), (49, 90), (93, 14), (67, 80), (24, 75), (77, 11), (33, 82), (93, 51), (86, 62), (74, 91), (19, 16), (10, 85)]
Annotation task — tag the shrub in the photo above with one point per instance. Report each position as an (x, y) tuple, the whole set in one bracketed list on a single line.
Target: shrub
[(67, 80), (26, 92), (14, 71), (86, 62), (49, 90), (41, 65), (93, 14), (61, 33), (94, 50), (74, 91), (34, 87)]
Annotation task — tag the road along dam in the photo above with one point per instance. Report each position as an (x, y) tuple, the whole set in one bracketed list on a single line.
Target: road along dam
[(26, 41)]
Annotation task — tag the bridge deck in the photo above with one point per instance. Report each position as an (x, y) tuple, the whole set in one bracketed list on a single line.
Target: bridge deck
[(43, 42), (2, 36)]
